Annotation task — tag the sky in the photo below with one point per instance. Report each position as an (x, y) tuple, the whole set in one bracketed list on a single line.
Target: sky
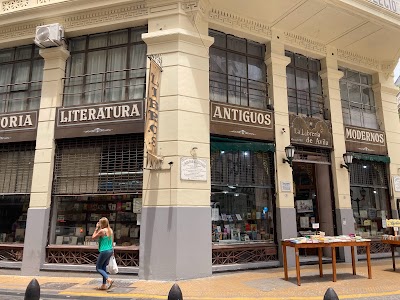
[(397, 71)]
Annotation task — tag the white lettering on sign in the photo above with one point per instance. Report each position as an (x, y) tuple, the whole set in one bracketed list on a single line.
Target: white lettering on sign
[(234, 114), (365, 135), (99, 113), (392, 5), (19, 121)]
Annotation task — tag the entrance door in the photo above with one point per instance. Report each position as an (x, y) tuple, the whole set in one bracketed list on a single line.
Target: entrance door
[(313, 199)]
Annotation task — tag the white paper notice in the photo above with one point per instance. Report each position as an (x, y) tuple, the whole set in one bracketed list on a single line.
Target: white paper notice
[(194, 169), (138, 219)]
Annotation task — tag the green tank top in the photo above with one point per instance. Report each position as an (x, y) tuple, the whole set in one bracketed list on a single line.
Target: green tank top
[(105, 243)]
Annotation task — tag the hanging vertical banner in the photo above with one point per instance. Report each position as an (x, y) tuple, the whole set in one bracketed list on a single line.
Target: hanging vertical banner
[(151, 127)]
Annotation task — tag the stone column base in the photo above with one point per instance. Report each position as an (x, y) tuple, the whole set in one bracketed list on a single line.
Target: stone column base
[(286, 228), (175, 243), (345, 226), (37, 228)]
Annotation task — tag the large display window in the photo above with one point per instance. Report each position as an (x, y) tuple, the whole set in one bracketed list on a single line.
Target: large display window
[(242, 195), (369, 198), (93, 178), (16, 167)]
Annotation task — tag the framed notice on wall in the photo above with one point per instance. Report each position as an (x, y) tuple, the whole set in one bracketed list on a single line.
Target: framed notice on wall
[(396, 183)]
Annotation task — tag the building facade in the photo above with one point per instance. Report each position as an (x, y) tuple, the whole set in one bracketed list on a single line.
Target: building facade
[(189, 164)]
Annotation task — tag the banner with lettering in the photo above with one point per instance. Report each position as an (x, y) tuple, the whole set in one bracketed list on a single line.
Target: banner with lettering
[(151, 126)]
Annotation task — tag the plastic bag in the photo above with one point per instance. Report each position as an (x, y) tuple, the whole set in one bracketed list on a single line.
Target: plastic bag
[(112, 267)]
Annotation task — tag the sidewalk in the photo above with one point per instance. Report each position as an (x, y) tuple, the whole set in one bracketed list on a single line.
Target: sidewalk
[(265, 284)]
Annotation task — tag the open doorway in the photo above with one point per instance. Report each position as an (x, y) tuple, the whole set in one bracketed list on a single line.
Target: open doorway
[(313, 202)]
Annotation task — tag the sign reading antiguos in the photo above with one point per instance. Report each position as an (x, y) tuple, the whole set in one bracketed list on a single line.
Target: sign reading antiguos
[(239, 121), (365, 140), (310, 131), (18, 126)]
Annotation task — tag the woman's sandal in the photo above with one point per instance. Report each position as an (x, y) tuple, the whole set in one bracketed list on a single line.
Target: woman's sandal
[(110, 285), (101, 288)]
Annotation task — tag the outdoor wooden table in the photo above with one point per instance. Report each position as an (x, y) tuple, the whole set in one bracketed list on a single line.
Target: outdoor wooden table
[(319, 246), (393, 244)]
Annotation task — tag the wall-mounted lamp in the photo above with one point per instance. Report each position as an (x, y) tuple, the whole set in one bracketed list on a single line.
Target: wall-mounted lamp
[(348, 160), (289, 151)]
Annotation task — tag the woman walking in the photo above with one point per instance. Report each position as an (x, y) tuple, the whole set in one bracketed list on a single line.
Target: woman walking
[(105, 235)]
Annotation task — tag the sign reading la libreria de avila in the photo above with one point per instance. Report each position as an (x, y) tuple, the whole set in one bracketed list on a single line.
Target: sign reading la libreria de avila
[(100, 119), (365, 140), (310, 131)]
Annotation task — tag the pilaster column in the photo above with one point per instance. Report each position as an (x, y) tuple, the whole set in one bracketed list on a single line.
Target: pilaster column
[(175, 233), (386, 108), (40, 198), (340, 176), (276, 62)]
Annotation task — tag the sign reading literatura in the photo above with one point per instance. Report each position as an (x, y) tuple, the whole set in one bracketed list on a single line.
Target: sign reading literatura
[(365, 140), (18, 126), (310, 131), (100, 119), (239, 121)]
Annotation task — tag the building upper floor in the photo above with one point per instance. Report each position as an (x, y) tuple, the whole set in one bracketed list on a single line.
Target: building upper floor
[(107, 54)]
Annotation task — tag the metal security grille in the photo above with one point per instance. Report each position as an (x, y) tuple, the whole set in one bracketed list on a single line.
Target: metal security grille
[(304, 85), (16, 167), (237, 71), (312, 155), (21, 72), (99, 165), (244, 168), (368, 173), (105, 67)]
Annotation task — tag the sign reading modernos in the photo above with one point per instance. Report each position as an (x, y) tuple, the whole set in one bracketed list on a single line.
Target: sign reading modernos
[(365, 140)]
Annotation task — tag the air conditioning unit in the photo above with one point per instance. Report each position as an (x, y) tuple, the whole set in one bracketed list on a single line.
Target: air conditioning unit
[(50, 35)]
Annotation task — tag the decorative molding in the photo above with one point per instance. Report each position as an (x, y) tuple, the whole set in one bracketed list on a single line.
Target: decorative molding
[(195, 10), (97, 130), (242, 132), (306, 43), (14, 4), (106, 15), (366, 149), (357, 59), (232, 20)]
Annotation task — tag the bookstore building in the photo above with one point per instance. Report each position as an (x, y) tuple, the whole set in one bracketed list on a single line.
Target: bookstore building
[(218, 155)]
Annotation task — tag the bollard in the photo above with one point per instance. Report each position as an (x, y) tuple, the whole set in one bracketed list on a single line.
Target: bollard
[(330, 294), (175, 293), (32, 290)]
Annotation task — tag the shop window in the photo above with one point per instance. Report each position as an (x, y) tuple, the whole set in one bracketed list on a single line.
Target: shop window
[(106, 67), (21, 73), (96, 177), (16, 161), (358, 104), (304, 85), (369, 197), (242, 197), (237, 71)]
